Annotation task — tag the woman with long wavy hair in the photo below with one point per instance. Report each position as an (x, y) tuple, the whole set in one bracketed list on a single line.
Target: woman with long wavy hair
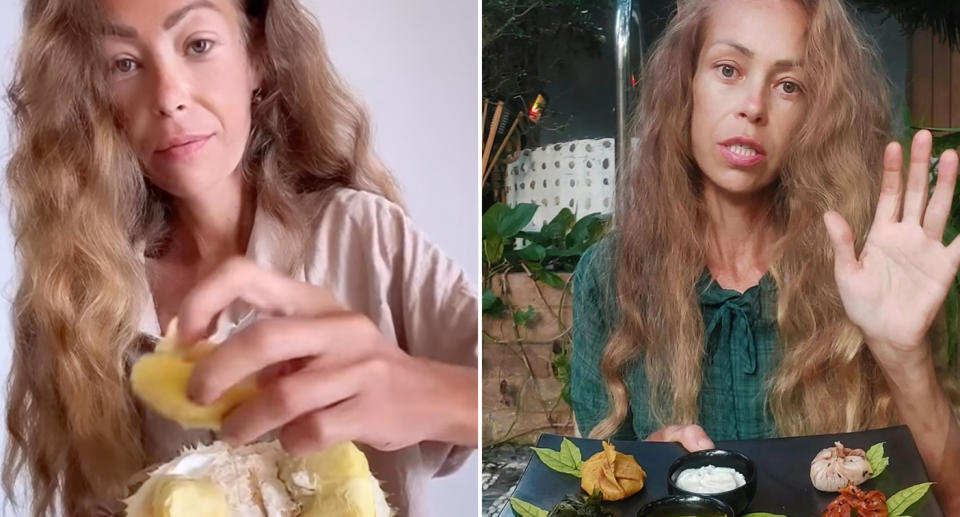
[(202, 160), (754, 285)]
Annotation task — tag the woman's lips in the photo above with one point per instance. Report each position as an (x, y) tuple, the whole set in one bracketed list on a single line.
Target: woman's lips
[(740, 160), (183, 151)]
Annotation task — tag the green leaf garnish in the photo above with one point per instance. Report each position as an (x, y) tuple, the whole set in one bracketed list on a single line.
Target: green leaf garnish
[(580, 506), (571, 451), (899, 502), (878, 462), (567, 460), (525, 509)]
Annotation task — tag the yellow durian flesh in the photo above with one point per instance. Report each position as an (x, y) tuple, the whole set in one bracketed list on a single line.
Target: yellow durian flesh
[(341, 461), (160, 379), (186, 497), (340, 483), (345, 498)]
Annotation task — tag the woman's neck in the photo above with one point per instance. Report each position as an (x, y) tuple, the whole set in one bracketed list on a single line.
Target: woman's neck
[(739, 236), (208, 229)]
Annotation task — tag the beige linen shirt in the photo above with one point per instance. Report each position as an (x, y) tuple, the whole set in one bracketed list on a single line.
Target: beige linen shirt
[(377, 263)]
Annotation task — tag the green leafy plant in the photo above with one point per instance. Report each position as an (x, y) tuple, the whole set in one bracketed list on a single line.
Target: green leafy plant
[(555, 248), (543, 254)]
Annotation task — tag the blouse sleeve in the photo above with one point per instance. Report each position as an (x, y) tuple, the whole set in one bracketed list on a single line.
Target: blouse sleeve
[(433, 306)]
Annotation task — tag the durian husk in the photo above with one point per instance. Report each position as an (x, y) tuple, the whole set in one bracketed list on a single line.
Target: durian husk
[(261, 480)]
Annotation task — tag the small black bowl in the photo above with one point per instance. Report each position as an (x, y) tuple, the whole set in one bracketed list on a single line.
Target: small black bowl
[(738, 498), (686, 505)]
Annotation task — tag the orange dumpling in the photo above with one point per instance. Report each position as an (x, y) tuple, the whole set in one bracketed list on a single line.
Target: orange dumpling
[(615, 474)]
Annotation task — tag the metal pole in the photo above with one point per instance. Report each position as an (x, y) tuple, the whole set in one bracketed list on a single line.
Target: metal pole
[(627, 14)]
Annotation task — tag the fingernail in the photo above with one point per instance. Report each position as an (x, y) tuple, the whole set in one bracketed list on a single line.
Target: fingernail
[(705, 443)]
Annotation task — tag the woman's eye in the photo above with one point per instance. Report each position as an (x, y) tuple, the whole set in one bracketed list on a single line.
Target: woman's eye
[(124, 65), (728, 72), (201, 46), (789, 87)]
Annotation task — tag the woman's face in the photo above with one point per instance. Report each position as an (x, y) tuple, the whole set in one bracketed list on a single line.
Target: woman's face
[(183, 80), (748, 92)]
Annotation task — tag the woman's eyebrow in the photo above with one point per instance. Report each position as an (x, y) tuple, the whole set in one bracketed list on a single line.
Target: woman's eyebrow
[(125, 31), (739, 47)]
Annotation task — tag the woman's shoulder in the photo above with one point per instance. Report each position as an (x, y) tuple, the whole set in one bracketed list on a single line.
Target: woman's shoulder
[(598, 261), (356, 204), (346, 214), (353, 228)]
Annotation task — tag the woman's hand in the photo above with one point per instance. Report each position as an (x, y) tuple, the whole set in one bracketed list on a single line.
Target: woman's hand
[(326, 373), (692, 437), (894, 290)]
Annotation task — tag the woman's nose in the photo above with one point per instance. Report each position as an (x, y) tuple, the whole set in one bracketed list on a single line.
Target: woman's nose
[(754, 106), (171, 93)]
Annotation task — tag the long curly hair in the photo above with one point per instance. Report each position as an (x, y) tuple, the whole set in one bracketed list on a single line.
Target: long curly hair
[(82, 208), (827, 381)]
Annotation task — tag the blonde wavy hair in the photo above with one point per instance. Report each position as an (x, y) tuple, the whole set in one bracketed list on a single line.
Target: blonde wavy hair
[(827, 380), (82, 208)]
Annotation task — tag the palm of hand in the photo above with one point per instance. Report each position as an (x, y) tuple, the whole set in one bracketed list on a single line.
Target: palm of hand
[(902, 281), (893, 291)]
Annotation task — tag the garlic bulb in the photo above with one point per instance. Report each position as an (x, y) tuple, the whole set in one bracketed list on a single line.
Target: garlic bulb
[(836, 467), (261, 480)]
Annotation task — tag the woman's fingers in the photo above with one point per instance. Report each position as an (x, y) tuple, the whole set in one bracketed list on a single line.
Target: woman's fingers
[(692, 437), (915, 197), (319, 429), (336, 337), (287, 398), (938, 210), (241, 279), (891, 186)]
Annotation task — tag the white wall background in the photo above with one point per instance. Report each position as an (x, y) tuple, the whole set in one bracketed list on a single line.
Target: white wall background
[(414, 62), (9, 35)]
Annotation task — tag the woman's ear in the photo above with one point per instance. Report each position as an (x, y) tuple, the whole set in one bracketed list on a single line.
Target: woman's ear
[(256, 55), (255, 75)]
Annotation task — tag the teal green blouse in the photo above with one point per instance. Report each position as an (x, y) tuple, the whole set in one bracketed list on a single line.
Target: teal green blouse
[(740, 353)]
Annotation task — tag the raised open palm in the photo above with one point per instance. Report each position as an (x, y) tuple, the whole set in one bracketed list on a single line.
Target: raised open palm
[(895, 288)]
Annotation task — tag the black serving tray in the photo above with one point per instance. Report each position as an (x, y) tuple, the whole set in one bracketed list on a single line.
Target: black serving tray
[(783, 472)]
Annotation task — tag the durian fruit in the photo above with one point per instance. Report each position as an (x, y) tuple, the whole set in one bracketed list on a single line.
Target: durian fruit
[(335, 481), (261, 480), (160, 379), (181, 497)]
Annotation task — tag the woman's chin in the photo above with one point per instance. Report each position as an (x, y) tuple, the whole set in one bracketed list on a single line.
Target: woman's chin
[(188, 182), (739, 182)]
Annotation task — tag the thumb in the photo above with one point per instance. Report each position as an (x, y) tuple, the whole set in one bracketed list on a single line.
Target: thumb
[(694, 438), (845, 257)]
